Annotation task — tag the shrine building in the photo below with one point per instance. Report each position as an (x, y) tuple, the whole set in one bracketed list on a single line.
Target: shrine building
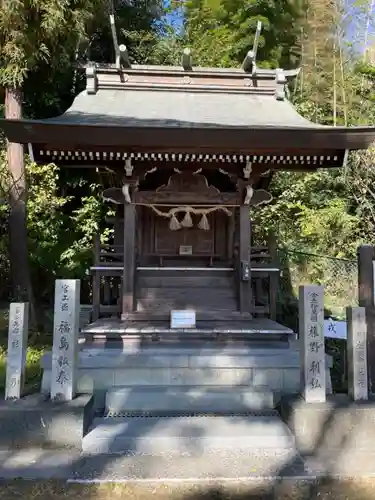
[(186, 156)]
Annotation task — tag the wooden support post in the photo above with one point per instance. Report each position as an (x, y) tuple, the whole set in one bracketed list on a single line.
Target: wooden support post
[(230, 235), (96, 280), (366, 256), (244, 258), (128, 301), (118, 227), (274, 278)]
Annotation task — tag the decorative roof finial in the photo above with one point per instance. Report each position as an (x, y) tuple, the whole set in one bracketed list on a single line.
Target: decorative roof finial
[(249, 64), (121, 52), (187, 60)]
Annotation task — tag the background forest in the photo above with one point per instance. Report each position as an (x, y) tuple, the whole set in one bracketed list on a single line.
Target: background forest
[(48, 217)]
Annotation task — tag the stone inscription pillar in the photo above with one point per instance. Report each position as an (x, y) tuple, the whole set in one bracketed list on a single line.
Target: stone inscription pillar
[(65, 339), (17, 347), (357, 353), (312, 354)]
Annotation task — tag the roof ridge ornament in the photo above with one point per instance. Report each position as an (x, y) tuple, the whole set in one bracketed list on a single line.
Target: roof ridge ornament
[(249, 63), (281, 83), (91, 79), (187, 60), (121, 52)]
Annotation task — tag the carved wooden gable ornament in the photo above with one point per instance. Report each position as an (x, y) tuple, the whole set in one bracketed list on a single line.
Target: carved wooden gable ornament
[(187, 188)]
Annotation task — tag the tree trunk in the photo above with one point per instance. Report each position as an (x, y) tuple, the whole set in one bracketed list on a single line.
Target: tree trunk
[(18, 251)]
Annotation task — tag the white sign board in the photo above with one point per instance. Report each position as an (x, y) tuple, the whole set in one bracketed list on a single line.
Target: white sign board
[(335, 329), (183, 319), (185, 250)]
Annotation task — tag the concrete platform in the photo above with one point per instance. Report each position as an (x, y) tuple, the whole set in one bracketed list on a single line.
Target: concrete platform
[(219, 367), (188, 435), (252, 327)]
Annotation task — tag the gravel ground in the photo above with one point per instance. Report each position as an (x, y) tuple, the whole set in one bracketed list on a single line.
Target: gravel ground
[(284, 490), (49, 464)]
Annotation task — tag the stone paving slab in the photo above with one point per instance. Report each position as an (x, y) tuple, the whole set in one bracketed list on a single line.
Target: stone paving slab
[(239, 467), (35, 463), (188, 435), (216, 466), (45, 464)]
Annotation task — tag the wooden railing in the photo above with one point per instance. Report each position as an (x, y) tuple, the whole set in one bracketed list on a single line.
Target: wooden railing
[(107, 271)]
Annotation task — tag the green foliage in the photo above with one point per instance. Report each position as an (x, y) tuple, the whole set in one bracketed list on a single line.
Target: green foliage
[(39, 31), (60, 239), (222, 31), (310, 210)]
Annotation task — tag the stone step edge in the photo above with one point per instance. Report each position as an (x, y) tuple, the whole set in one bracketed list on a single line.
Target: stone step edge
[(185, 414), (162, 447), (191, 388), (188, 399)]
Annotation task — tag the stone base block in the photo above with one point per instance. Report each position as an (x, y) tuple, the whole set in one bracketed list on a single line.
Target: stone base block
[(34, 421), (336, 426), (188, 436), (102, 369), (172, 400)]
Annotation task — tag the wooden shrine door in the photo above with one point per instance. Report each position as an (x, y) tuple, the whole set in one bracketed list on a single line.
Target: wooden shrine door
[(192, 246)]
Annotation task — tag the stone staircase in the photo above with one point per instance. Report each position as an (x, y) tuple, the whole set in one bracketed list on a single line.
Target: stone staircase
[(188, 399), (193, 402), (189, 435)]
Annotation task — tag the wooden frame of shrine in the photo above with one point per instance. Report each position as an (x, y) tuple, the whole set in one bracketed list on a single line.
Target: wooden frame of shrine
[(190, 150)]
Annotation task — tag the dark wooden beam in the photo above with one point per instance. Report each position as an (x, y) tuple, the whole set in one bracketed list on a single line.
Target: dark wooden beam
[(366, 256), (184, 137), (180, 198), (244, 258), (96, 280)]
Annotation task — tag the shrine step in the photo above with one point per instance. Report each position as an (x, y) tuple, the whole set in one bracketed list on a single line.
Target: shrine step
[(188, 399), (185, 293), (185, 280), (199, 303), (192, 436), (209, 324)]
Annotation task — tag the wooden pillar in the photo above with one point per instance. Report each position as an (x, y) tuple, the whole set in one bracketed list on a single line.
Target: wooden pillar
[(244, 258), (230, 235), (274, 277), (118, 229), (365, 275), (128, 301), (96, 280), (366, 256)]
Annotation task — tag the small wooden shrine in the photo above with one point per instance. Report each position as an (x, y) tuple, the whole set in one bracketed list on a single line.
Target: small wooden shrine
[(189, 152)]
